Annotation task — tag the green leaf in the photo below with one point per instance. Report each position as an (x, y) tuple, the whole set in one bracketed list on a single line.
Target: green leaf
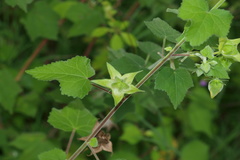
[(99, 32), (200, 118), (72, 75), (196, 150), (151, 49), (41, 21), (21, 3), (218, 71), (215, 86), (93, 142), (116, 42), (162, 30), (54, 154), (25, 140), (28, 104), (132, 134), (9, 90), (204, 22), (175, 83), (82, 17), (73, 117), (62, 8), (207, 52), (129, 39)]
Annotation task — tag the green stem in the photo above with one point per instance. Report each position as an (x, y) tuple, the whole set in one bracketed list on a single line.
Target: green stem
[(113, 110), (217, 5)]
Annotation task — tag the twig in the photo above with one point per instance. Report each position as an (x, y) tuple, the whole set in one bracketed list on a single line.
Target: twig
[(113, 110), (70, 141), (30, 59), (131, 10), (99, 87), (89, 47)]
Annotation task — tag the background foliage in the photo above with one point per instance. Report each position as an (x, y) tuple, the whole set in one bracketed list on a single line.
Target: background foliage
[(36, 32)]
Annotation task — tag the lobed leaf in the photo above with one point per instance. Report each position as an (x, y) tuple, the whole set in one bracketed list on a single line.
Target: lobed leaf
[(72, 75), (73, 117), (204, 22), (175, 83)]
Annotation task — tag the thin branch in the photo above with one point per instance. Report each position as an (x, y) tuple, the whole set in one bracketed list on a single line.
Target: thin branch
[(89, 47), (113, 110), (181, 55), (104, 89), (30, 59), (70, 141), (131, 10)]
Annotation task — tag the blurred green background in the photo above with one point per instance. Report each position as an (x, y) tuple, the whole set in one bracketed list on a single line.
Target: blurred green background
[(37, 32)]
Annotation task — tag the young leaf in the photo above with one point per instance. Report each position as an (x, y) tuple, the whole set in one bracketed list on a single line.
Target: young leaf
[(21, 3), (55, 154), (93, 142), (41, 21), (129, 39), (72, 75), (207, 52), (73, 117), (162, 30), (175, 83), (9, 90), (215, 86), (204, 23), (116, 42), (132, 134)]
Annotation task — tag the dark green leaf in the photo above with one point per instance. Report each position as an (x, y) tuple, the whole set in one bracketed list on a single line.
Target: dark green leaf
[(41, 21), (55, 154), (175, 83)]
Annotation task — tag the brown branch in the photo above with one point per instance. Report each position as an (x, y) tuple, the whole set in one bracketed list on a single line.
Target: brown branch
[(30, 59), (101, 88), (131, 10), (70, 141), (89, 47)]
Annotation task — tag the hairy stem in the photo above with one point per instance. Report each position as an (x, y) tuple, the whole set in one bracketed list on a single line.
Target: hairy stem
[(70, 141), (95, 155), (112, 112)]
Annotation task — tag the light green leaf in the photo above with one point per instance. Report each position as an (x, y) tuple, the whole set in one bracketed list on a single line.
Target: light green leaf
[(215, 86), (54, 154), (9, 90), (132, 134), (218, 71), (93, 142), (205, 67), (62, 8), (119, 84), (129, 39), (204, 22), (116, 42), (73, 117), (72, 75), (175, 83), (162, 30), (99, 32), (21, 3), (41, 21), (195, 150), (207, 52), (150, 48)]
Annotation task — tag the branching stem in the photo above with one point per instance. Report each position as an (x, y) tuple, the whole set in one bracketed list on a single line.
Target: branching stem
[(112, 112)]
